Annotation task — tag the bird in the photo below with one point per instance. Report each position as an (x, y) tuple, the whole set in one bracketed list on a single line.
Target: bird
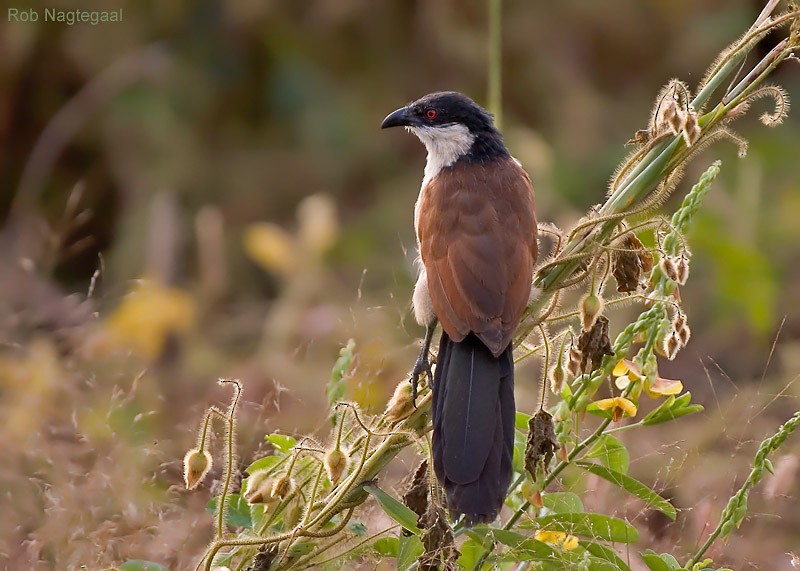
[(476, 229)]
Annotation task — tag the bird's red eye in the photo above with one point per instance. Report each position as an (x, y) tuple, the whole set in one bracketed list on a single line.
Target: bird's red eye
[(430, 113)]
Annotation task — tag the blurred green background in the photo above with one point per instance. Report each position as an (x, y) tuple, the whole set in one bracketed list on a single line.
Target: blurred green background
[(202, 190)]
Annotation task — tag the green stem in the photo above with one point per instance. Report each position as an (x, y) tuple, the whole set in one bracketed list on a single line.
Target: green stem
[(624, 427), (229, 446), (496, 61), (734, 512)]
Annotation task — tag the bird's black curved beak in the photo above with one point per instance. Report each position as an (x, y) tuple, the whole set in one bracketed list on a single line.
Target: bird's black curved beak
[(399, 118)]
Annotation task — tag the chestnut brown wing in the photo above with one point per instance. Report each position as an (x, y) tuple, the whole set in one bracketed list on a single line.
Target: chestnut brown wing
[(477, 234)]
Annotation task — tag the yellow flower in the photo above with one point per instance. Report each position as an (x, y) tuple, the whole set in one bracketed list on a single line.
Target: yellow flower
[(318, 223), (271, 247), (558, 538), (626, 372), (149, 315), (619, 407), (663, 387)]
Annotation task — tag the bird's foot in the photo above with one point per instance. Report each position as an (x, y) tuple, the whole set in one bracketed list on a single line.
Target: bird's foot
[(422, 365)]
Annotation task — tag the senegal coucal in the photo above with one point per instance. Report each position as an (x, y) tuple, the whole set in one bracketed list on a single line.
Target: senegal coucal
[(476, 232)]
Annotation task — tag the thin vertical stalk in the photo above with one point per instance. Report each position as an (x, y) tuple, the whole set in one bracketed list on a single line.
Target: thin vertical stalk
[(496, 61)]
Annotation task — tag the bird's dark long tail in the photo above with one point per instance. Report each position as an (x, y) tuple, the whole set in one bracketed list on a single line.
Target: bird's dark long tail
[(473, 427)]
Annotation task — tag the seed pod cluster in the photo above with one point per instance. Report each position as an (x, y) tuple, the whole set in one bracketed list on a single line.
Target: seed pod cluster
[(678, 336), (675, 268), (594, 344), (542, 443), (678, 120), (265, 490), (259, 488)]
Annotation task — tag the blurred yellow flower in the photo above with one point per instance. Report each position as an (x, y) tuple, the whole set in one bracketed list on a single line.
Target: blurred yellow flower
[(148, 315), (318, 223), (619, 407), (271, 247), (278, 251), (558, 538)]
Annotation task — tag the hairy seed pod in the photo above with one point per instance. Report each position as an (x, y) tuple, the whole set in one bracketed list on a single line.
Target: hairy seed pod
[(281, 487), (682, 270), (557, 377), (196, 465), (575, 359), (691, 129), (591, 306), (401, 404), (669, 268), (672, 345), (684, 333), (336, 461), (671, 115), (259, 488)]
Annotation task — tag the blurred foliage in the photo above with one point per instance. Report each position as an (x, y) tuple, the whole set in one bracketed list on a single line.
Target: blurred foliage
[(229, 152)]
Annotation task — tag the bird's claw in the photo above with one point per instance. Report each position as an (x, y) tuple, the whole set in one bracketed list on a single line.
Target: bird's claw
[(422, 365)]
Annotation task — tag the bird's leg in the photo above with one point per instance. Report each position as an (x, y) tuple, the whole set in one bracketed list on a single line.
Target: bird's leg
[(423, 361)]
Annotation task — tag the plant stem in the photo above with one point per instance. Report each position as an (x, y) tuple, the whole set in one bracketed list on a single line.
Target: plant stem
[(230, 435), (495, 86), (734, 512)]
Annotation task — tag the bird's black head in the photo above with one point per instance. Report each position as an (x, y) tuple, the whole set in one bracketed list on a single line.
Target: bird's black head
[(447, 120), (441, 109)]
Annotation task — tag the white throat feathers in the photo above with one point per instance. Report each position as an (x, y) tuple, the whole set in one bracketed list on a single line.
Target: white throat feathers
[(445, 146)]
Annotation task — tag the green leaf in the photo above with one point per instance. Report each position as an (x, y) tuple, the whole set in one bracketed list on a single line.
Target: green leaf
[(611, 453), (632, 486), (139, 565), (409, 549), (654, 562), (282, 442), (591, 526), (521, 421), (394, 509), (524, 548), (222, 559), (663, 562), (300, 548), (257, 514), (671, 409), (471, 550), (336, 386), (520, 443), (237, 511), (265, 463), (606, 554), (387, 546), (562, 502)]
